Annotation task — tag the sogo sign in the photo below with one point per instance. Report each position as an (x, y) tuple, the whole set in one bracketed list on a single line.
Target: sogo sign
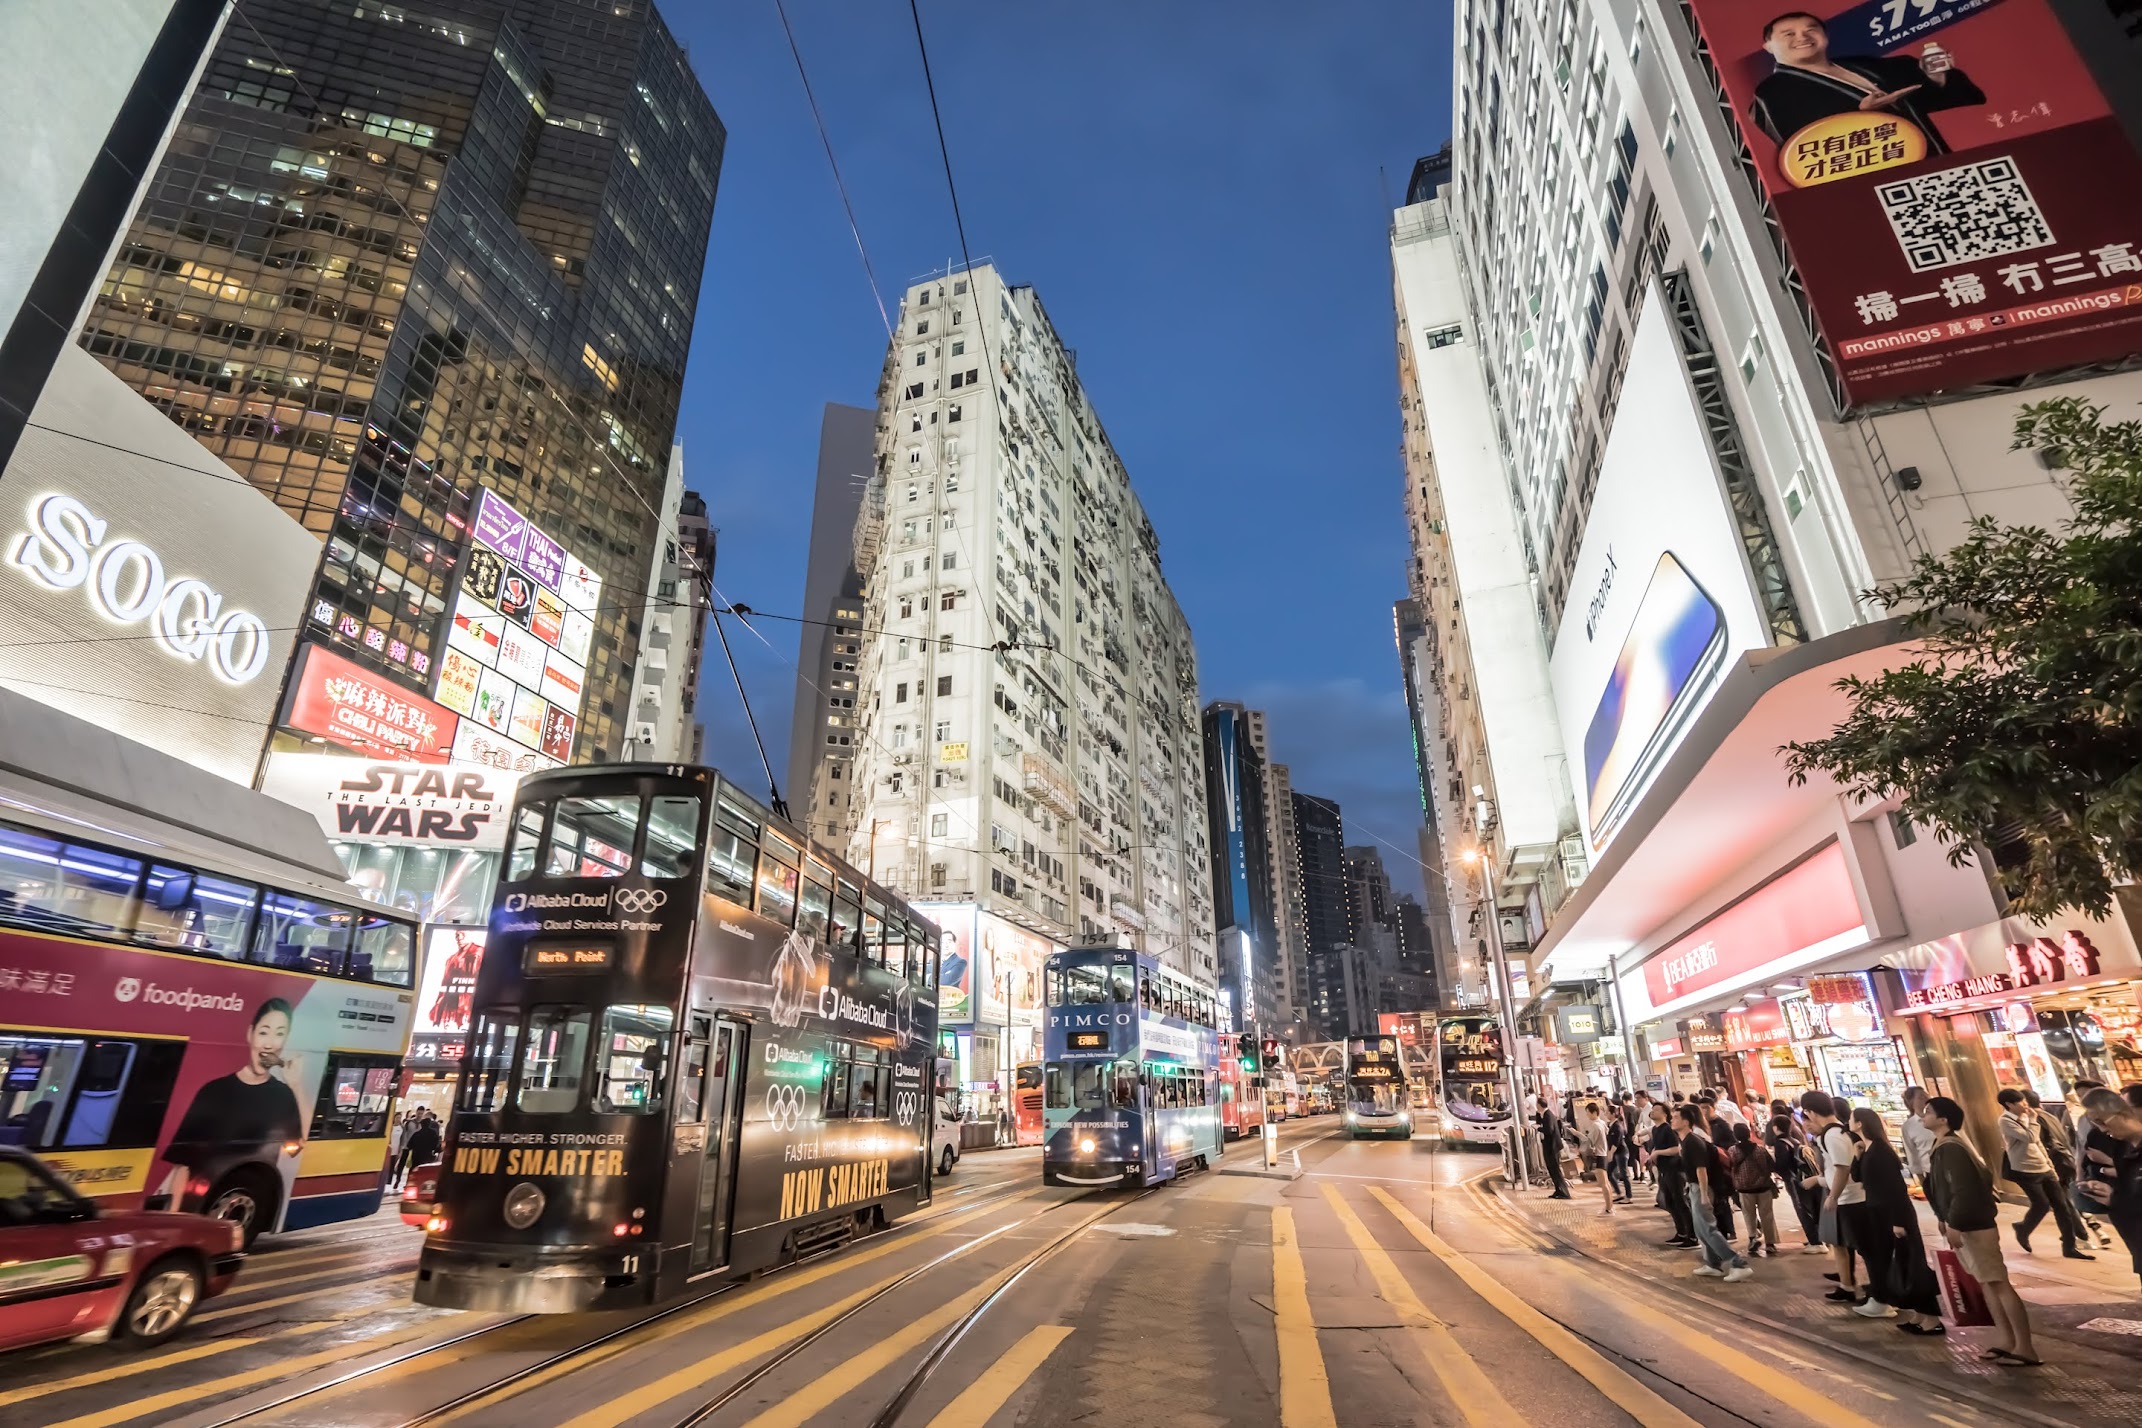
[(124, 580)]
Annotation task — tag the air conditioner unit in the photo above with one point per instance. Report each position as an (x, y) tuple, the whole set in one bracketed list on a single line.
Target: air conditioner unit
[(901, 758)]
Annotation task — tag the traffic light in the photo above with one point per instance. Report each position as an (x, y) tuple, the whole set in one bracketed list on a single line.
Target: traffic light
[(1246, 1050)]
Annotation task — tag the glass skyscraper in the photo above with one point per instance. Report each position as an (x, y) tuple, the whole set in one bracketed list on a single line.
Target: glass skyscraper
[(397, 253)]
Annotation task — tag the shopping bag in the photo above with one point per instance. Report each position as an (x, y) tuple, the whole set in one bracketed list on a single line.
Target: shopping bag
[(1963, 1299)]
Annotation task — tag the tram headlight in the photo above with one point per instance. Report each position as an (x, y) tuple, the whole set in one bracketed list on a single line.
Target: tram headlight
[(523, 1203), (1085, 1145)]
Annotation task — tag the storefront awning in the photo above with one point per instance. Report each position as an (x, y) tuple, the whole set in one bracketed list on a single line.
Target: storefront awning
[(1720, 801)]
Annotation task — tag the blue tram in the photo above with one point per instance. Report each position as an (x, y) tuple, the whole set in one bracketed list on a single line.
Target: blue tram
[(1131, 1073)]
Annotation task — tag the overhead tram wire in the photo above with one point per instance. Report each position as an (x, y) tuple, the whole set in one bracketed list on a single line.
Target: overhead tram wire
[(826, 140)]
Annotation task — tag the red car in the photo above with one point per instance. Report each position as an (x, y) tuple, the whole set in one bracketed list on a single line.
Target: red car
[(421, 1188), (70, 1270)]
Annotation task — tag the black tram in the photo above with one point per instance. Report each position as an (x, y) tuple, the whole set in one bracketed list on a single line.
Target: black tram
[(701, 1046)]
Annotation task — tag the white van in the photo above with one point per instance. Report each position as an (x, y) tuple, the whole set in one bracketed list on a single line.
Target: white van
[(944, 1137)]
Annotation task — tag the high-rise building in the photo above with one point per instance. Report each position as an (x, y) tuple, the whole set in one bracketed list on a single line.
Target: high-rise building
[(1320, 869), (1251, 974), (1287, 909), (1027, 740), (822, 729), (1691, 386), (1434, 949), (394, 257), (665, 681)]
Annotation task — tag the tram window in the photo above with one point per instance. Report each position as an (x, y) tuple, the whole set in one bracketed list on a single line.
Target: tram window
[(777, 884), (1124, 1088), (814, 910), (553, 1059), (355, 1092), (1085, 985), (921, 957), (383, 949), (592, 837), (490, 1059), (896, 946), (1088, 1086), (1122, 978), (183, 908), (527, 837), (1145, 991), (635, 1044), (301, 934), (873, 949), (692, 1084), (847, 914), (672, 836), (729, 864), (1058, 1094)]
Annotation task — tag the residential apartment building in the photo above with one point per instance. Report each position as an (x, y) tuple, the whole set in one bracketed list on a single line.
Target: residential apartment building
[(1433, 945), (1701, 423), (1288, 912), (678, 584), (393, 257), (1026, 737), (821, 739)]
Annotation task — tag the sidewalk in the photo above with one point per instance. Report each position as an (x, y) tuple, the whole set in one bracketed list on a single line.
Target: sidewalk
[(2087, 1316)]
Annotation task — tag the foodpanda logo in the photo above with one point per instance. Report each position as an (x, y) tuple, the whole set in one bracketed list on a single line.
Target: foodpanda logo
[(128, 989)]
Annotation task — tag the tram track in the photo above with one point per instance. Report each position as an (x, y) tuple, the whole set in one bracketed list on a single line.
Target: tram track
[(504, 1385)]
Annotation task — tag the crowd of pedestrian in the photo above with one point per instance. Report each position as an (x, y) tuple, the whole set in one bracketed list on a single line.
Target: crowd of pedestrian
[(1717, 1167)]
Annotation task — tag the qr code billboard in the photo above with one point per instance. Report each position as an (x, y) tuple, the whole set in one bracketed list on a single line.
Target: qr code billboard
[(1964, 214)]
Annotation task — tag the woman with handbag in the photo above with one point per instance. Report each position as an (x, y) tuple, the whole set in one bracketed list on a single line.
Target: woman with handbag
[(2029, 1163), (1897, 1272)]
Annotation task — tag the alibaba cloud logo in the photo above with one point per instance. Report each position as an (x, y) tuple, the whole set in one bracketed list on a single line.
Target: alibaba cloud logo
[(127, 989), (516, 902)]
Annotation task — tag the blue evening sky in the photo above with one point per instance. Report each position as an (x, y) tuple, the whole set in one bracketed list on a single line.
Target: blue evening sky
[(1194, 190)]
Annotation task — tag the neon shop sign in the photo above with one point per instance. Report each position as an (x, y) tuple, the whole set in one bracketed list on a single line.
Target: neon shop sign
[(125, 582), (2035, 963)]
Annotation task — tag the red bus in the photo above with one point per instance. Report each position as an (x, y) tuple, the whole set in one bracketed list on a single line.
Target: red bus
[(1241, 1105), (1026, 1105), (195, 1023)]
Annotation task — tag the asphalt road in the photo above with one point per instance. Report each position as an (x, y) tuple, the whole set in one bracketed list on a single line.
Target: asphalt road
[(1383, 1285)]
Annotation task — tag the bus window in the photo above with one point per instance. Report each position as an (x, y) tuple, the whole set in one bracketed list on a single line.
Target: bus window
[(1085, 985), (592, 837), (490, 1059), (78, 1092), (354, 1095), (302, 935), (383, 951), (47, 883), (1122, 978), (552, 1060), (815, 909), (183, 908), (527, 837), (635, 1043), (847, 914), (777, 881), (672, 837), (730, 860)]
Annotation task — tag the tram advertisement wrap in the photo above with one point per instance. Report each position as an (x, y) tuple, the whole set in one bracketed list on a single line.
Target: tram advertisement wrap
[(1960, 200), (245, 1048)]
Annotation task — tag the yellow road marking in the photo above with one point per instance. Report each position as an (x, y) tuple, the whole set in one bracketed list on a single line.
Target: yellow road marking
[(979, 1402), (1304, 1388), (661, 1390), (1468, 1389), (197, 1393), (1622, 1390), (124, 1370)]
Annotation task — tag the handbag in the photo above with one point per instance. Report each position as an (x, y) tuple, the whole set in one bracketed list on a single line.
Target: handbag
[(1963, 1298)]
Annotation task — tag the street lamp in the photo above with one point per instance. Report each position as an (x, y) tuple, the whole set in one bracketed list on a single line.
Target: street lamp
[(1499, 976)]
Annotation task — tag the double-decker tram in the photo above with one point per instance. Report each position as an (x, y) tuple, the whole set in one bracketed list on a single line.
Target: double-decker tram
[(1241, 1105), (1376, 1099), (1131, 1070), (1026, 1104), (1476, 1080), (701, 1046)]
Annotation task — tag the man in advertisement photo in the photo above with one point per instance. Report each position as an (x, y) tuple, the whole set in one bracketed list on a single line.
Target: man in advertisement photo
[(1812, 84)]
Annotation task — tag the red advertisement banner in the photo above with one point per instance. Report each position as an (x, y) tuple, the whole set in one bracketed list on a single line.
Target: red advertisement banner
[(1960, 201), (349, 705)]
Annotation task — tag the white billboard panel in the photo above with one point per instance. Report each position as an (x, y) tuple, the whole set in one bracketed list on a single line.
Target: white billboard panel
[(1660, 602), (411, 805)]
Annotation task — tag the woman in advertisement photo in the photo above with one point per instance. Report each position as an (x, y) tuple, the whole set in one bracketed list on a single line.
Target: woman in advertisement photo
[(1810, 83), (255, 1113)]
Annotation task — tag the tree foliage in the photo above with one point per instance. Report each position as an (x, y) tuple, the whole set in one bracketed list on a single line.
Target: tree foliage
[(2021, 716)]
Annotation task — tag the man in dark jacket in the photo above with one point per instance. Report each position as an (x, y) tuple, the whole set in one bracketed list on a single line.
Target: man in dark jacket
[(1960, 1190), (1551, 1146)]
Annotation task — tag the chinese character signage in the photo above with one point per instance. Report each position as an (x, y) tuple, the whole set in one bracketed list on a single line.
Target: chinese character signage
[(1958, 197), (521, 630), (369, 713)]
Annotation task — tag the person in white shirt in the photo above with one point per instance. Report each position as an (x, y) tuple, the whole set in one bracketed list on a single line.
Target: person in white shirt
[(1918, 1140), (1730, 1112)]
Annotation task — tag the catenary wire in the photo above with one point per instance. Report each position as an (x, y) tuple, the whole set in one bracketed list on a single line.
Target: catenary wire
[(825, 139)]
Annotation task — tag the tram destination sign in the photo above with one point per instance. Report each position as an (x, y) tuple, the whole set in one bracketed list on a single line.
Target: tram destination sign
[(587, 957)]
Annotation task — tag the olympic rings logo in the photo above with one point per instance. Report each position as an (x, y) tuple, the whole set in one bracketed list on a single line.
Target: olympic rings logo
[(784, 1107), (638, 899), (905, 1105)]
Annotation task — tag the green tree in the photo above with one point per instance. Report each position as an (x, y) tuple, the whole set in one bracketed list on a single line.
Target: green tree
[(2020, 714)]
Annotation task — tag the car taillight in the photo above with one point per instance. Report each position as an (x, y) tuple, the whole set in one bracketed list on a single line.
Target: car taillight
[(436, 1224)]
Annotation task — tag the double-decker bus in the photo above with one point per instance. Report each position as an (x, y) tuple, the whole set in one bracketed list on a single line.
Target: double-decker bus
[(193, 1022), (1241, 1104), (701, 1045), (1026, 1104), (1131, 1071), (1476, 1079), (1376, 1100)]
